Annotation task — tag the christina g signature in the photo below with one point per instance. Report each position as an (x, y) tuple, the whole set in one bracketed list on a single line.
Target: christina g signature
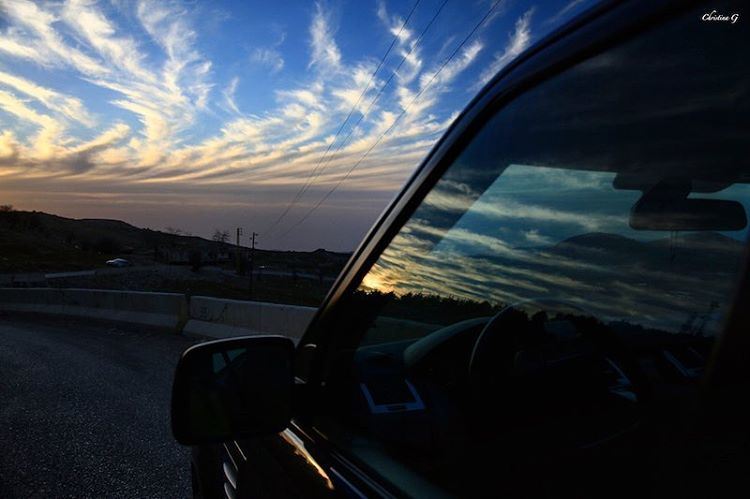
[(715, 16)]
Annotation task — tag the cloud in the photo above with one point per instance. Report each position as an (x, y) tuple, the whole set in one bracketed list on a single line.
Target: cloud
[(17, 107), (407, 44), (518, 41), (567, 9), (169, 27), (81, 158), (8, 148), (534, 237), (228, 94), (477, 265), (15, 48), (268, 57), (68, 106), (166, 100), (325, 53), (34, 37), (158, 74), (120, 52)]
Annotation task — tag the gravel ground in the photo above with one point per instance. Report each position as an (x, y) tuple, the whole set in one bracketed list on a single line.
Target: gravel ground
[(84, 410)]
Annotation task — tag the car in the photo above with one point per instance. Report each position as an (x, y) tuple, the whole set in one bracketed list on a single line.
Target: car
[(119, 263), (555, 305)]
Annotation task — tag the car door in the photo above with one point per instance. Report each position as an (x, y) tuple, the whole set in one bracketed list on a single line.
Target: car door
[(536, 313)]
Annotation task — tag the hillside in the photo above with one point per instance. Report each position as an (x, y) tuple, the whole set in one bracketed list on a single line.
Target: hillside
[(41, 242)]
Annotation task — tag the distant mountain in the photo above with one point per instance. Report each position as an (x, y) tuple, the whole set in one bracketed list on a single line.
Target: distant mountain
[(32, 241)]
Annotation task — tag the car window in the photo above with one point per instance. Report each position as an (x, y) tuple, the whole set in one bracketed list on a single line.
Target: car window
[(542, 320)]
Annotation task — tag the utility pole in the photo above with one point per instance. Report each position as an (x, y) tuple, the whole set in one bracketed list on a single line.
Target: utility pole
[(237, 252), (252, 262)]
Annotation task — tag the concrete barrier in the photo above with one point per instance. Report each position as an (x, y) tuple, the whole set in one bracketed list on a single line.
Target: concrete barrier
[(167, 310), (220, 318), (205, 316)]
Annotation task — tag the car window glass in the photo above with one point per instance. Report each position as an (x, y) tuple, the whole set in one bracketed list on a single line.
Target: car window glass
[(550, 307)]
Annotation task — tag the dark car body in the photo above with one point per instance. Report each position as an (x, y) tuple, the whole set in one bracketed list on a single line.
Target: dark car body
[(305, 461)]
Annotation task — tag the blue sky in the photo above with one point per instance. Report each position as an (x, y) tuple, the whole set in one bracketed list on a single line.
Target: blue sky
[(204, 115)]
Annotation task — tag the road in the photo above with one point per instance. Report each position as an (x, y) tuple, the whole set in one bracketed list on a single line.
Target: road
[(84, 410)]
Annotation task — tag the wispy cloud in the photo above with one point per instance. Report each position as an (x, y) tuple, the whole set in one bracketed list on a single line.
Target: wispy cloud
[(68, 106), (269, 57), (518, 41), (408, 47), (32, 36), (163, 86), (228, 94), (569, 8), (13, 105), (167, 98), (325, 53)]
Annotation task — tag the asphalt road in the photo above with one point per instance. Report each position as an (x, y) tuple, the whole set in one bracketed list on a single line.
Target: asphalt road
[(84, 410)]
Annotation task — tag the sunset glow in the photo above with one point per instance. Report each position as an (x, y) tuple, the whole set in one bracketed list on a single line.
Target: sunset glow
[(151, 111)]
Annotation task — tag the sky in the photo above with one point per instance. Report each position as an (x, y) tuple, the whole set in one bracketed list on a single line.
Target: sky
[(282, 118)]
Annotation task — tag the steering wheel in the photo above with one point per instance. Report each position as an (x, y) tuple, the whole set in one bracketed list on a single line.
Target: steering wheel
[(558, 376)]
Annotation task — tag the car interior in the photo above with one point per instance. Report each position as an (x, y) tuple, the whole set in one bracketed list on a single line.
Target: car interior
[(582, 400)]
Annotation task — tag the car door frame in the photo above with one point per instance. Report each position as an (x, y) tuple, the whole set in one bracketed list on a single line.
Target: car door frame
[(597, 30)]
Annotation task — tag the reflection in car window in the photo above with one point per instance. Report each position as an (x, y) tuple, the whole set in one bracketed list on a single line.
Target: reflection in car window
[(540, 232), (550, 306)]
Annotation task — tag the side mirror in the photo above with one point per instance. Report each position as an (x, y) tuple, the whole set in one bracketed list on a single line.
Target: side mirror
[(232, 389)]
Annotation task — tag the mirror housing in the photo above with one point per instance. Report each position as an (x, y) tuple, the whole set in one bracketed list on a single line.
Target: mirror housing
[(232, 389)]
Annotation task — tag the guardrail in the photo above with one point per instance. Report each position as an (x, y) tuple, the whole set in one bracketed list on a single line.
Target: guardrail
[(202, 315)]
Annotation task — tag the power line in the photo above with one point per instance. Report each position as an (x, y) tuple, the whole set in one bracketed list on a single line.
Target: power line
[(316, 171), (411, 49), (390, 128), (313, 172), (307, 184), (380, 92)]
